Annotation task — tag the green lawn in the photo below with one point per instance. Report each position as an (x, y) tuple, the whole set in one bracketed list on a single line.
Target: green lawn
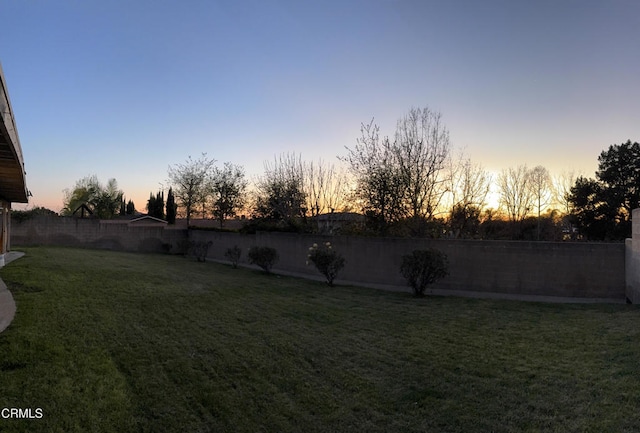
[(116, 342)]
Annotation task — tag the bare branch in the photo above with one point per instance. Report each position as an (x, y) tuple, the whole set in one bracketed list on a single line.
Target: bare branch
[(515, 194)]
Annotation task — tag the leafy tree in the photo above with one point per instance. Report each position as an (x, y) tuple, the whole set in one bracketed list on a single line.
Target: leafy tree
[(464, 220), (105, 200), (602, 207), (379, 186), (619, 172), (590, 212), (229, 191), (189, 181), (83, 193), (171, 207)]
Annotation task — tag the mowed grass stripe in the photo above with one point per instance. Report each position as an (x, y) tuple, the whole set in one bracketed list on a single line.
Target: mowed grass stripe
[(117, 342)]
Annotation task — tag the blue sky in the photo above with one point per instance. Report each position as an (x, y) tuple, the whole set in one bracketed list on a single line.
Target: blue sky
[(124, 89)]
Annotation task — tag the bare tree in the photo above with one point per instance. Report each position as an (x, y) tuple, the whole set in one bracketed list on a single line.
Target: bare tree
[(189, 182), (470, 186), (562, 185), (280, 192), (229, 188), (515, 193), (421, 149), (541, 186), (325, 187), (405, 177)]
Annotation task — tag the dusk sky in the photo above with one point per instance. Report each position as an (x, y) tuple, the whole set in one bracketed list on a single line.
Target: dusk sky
[(123, 89)]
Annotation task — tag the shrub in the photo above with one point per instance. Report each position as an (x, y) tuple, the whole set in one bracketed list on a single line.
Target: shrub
[(24, 215), (327, 261), (265, 257), (424, 267), (200, 249), (233, 254)]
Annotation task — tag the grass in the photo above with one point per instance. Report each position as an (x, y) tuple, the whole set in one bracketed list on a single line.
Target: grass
[(117, 342)]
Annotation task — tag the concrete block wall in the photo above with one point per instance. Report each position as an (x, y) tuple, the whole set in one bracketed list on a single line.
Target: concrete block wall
[(584, 270), (90, 233), (632, 252)]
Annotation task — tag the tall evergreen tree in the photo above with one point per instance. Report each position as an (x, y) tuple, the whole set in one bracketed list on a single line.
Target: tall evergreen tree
[(151, 204), (131, 208), (155, 205), (171, 207), (159, 210)]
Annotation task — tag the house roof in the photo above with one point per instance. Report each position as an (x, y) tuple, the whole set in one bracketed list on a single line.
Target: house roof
[(147, 219), (82, 210), (138, 218), (340, 216), (13, 185)]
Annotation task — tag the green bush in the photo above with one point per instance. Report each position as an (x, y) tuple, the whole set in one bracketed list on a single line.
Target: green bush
[(327, 261), (424, 267), (265, 257), (233, 254), (24, 215)]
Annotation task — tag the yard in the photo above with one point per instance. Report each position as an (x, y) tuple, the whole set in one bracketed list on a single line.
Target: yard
[(117, 342)]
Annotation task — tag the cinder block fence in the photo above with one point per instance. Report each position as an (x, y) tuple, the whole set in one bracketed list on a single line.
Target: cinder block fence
[(632, 260), (608, 271), (583, 270)]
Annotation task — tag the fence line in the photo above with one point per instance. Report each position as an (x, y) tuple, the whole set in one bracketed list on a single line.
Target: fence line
[(561, 269)]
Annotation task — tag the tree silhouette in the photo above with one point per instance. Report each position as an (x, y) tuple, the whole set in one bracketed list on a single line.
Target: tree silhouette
[(189, 181), (602, 206)]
